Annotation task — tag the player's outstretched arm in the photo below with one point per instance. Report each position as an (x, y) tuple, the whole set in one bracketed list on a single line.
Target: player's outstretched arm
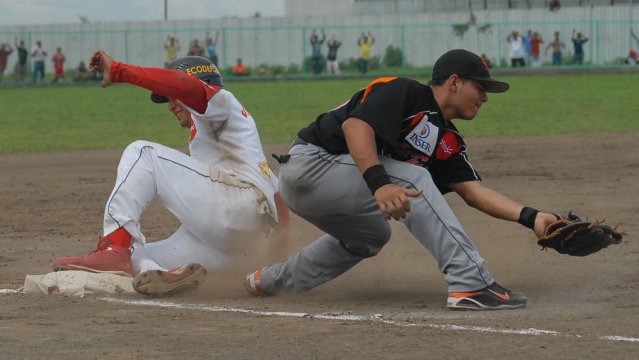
[(499, 205)]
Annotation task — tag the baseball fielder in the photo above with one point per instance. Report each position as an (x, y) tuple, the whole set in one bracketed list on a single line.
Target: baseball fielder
[(223, 192), (393, 147)]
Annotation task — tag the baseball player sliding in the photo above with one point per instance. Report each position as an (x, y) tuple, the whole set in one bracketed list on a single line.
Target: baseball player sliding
[(223, 192), (393, 147)]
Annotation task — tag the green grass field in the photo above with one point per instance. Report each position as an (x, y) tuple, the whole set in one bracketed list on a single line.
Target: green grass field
[(89, 117)]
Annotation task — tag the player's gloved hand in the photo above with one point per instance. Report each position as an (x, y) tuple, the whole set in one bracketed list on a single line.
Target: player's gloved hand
[(393, 200), (101, 61)]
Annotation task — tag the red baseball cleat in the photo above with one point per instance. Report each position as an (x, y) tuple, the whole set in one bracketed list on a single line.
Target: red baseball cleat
[(107, 258)]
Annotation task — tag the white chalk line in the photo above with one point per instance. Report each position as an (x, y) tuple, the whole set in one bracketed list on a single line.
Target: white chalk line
[(379, 318), (10, 291), (363, 318)]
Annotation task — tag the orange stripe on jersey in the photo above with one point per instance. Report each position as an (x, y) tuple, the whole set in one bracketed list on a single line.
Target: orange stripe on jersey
[(381, 80), (416, 120)]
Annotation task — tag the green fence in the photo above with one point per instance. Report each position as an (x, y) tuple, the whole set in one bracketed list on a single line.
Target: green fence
[(277, 49)]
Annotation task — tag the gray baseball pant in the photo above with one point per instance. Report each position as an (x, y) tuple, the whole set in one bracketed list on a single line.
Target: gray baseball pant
[(328, 191)]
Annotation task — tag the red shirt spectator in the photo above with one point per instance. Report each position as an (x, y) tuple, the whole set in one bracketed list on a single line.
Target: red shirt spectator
[(535, 42), (5, 51), (58, 63)]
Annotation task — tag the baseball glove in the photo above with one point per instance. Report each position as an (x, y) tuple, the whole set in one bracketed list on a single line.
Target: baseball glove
[(570, 235)]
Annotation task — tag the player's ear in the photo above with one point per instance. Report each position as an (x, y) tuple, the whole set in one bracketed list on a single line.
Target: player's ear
[(454, 82)]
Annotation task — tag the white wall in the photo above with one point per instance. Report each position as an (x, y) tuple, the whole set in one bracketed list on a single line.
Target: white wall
[(423, 37)]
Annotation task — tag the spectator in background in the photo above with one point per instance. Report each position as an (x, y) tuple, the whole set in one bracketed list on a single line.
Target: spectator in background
[(239, 69), (58, 64), (172, 47), (365, 44), (211, 47), (556, 46), (578, 42), (535, 43), (517, 49), (5, 51), (528, 47), (39, 55), (81, 73), (316, 51), (332, 65), (633, 58), (486, 61), (195, 49), (20, 72)]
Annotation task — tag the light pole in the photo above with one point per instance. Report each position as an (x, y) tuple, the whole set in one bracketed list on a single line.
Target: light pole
[(165, 9)]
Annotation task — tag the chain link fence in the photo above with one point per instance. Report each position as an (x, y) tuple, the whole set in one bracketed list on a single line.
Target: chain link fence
[(282, 45)]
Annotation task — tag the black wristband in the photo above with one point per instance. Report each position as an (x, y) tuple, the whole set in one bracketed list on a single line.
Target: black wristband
[(527, 217), (376, 177)]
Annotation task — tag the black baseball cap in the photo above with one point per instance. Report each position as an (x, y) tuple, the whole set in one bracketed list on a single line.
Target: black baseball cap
[(200, 67), (467, 65)]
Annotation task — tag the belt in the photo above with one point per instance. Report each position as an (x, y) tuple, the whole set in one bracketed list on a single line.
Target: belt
[(299, 141)]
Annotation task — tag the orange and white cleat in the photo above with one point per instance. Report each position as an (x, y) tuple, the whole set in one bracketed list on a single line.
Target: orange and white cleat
[(254, 284)]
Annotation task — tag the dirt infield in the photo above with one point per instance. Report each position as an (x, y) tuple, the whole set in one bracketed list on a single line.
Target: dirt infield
[(389, 307)]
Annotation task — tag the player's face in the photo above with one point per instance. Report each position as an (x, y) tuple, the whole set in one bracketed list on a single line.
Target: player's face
[(470, 97), (181, 113)]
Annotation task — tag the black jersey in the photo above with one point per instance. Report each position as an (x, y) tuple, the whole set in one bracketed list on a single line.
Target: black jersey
[(408, 127)]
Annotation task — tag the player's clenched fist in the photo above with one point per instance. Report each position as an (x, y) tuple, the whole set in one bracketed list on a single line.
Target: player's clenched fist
[(101, 61), (393, 200)]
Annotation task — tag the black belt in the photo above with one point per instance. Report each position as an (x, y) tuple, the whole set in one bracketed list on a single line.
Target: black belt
[(299, 141)]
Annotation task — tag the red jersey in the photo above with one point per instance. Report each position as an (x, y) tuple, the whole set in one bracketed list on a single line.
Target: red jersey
[(58, 63)]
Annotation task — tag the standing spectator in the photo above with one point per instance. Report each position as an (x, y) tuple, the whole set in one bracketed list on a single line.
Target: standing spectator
[(211, 47), (39, 55), (535, 43), (365, 43), (58, 64), (316, 51), (172, 47), (528, 47), (556, 46), (332, 65), (517, 49), (5, 51), (195, 49), (632, 58), (20, 72), (486, 61), (239, 69), (578, 43)]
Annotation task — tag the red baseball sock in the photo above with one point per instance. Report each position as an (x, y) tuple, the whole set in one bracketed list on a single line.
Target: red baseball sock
[(120, 237)]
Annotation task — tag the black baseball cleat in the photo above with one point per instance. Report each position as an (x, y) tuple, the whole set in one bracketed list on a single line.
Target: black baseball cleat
[(493, 297)]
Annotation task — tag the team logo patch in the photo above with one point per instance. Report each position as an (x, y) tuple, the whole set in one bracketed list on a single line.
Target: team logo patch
[(448, 146), (423, 137), (266, 171)]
